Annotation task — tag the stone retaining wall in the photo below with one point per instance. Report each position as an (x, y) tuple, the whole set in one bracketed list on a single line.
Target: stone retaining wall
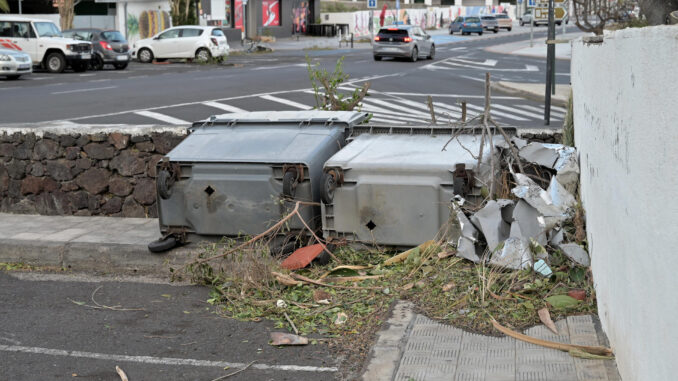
[(83, 170)]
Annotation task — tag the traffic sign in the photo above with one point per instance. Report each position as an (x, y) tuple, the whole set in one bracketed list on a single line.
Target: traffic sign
[(371, 3)]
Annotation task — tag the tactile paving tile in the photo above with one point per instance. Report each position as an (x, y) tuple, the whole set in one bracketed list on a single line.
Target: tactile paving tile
[(436, 351)]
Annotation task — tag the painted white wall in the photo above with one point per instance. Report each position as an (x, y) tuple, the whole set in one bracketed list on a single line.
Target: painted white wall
[(626, 130)]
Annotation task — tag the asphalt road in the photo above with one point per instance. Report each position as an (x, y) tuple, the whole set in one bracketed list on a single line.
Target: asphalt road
[(69, 327), (180, 93)]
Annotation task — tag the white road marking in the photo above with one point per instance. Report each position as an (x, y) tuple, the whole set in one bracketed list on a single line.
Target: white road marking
[(224, 107), (477, 80), (448, 95), (459, 48), (277, 67), (87, 75), (138, 76), (527, 67), (162, 117), (496, 112), (381, 113), (161, 360), (486, 63), (38, 78), (449, 109), (83, 90), (558, 108), (519, 111), (286, 102), (389, 105), (99, 80), (566, 74), (384, 120), (9, 88), (541, 110)]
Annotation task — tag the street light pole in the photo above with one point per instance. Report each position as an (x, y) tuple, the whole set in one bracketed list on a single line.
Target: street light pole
[(550, 65)]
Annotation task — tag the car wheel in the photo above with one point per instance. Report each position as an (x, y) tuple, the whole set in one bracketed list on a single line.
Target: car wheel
[(559, 23), (13, 77), (97, 63), (55, 62), (509, 29), (145, 55), (432, 52), (496, 30), (120, 66), (451, 32), (163, 184), (163, 244), (377, 58), (415, 54), (521, 24), (534, 23), (202, 55), (480, 33)]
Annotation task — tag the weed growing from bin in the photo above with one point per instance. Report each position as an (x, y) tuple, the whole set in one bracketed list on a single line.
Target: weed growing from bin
[(326, 88)]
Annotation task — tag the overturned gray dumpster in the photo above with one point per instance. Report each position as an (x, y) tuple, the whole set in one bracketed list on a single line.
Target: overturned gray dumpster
[(395, 187), (238, 174)]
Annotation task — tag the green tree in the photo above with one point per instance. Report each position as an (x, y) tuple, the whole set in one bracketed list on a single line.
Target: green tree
[(4, 6)]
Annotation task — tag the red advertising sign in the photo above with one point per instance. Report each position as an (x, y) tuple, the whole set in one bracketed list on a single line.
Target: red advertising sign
[(238, 15), (270, 11)]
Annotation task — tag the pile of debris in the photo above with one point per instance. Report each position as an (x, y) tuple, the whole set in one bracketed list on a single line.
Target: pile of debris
[(514, 234)]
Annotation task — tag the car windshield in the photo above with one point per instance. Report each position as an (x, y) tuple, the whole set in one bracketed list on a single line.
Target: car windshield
[(218, 33), (112, 36), (47, 29), (472, 19), (488, 17)]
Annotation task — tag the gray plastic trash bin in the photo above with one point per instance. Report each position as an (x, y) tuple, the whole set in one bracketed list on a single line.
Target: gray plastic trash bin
[(238, 174), (394, 187)]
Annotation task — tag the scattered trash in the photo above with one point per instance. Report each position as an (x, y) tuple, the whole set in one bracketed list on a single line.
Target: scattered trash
[(466, 245), (448, 287), (575, 253), (542, 268), (403, 256), (562, 301), (545, 318), (321, 297), (514, 253), (577, 294), (302, 257), (490, 222), (282, 338), (527, 223), (341, 318), (281, 304), (121, 373)]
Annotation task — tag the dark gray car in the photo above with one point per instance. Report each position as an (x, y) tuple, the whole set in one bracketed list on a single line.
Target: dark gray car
[(109, 47), (407, 41)]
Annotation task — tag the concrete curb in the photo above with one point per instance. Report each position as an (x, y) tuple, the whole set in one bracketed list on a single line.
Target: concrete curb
[(101, 257), (386, 354), (506, 88)]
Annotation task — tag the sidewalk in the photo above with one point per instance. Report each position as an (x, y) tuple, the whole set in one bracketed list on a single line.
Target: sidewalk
[(101, 244), (534, 91), (538, 50), (414, 348)]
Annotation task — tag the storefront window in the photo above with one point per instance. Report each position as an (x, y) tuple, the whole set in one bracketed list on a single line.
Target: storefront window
[(270, 10)]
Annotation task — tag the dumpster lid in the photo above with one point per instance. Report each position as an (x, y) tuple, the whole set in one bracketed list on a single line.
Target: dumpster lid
[(348, 118)]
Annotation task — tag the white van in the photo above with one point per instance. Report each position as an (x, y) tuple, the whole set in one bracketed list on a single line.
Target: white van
[(42, 40)]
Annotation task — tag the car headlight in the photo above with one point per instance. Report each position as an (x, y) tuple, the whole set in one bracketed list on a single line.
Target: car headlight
[(4, 57)]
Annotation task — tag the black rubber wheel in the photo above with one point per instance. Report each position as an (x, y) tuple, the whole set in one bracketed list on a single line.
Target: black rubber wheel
[(55, 62), (559, 23), (415, 54), (496, 30), (289, 184), (13, 77), (79, 67), (203, 55), (521, 24), (432, 53), (509, 29), (97, 63), (145, 55), (377, 58), (464, 33), (161, 244), (162, 184), (480, 33), (120, 66), (322, 259), (451, 32), (329, 184)]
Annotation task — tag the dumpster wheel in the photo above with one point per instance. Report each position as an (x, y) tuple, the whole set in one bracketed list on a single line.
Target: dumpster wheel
[(290, 181), (329, 184), (163, 244), (164, 184)]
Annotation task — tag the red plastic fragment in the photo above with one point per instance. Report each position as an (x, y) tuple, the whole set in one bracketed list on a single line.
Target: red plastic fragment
[(302, 257), (577, 294)]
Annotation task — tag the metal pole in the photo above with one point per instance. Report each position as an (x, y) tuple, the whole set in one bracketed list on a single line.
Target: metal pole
[(371, 25), (531, 27), (20, 6), (550, 61)]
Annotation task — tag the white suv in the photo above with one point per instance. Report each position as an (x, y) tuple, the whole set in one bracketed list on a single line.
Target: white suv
[(42, 40), (187, 41)]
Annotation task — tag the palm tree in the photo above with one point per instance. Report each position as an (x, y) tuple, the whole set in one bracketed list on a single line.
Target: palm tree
[(4, 6)]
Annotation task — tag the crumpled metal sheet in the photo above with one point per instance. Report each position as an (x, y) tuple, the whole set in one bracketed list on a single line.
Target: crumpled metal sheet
[(553, 204), (576, 253), (466, 244), (567, 167), (542, 154), (490, 222), (528, 223), (514, 254)]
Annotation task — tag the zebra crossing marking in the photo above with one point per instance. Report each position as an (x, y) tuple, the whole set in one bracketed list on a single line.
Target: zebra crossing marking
[(162, 117), (224, 107)]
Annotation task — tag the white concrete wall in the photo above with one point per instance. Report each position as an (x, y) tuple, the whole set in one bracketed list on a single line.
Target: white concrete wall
[(626, 130)]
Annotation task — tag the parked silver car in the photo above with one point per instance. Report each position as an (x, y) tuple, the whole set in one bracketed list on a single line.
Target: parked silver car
[(489, 23), (14, 64), (403, 41)]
